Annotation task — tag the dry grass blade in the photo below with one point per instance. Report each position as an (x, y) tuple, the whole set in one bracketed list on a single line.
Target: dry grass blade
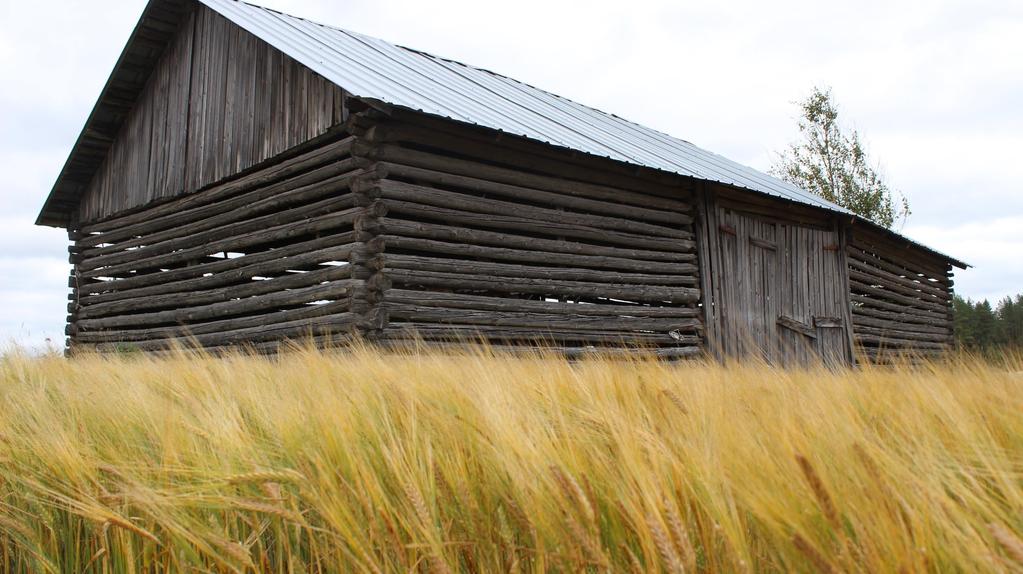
[(819, 562), (1011, 543), (420, 461), (119, 522), (265, 476)]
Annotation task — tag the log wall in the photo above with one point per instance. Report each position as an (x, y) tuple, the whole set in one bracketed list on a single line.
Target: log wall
[(269, 255), (901, 297), (488, 239), (218, 102)]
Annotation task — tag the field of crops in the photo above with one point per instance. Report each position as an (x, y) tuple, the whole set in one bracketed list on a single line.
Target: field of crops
[(364, 461)]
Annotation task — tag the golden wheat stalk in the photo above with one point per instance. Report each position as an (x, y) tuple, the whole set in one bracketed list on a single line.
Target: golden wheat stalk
[(820, 492)]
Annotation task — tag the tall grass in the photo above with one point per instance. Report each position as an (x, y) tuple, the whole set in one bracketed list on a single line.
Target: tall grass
[(377, 462)]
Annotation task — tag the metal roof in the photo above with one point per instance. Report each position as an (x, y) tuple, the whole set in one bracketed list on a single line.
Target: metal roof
[(373, 69)]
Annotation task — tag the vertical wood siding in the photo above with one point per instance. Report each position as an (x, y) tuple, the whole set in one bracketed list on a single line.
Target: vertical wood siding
[(218, 102), (780, 291)]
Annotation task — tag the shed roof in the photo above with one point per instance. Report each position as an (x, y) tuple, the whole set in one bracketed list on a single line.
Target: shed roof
[(373, 69)]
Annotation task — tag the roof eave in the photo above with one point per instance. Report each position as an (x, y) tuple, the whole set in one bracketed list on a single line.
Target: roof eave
[(154, 25)]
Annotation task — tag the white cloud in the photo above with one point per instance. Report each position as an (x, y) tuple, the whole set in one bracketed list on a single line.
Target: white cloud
[(934, 85)]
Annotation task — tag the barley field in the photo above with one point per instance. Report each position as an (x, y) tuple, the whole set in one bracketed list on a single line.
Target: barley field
[(369, 461)]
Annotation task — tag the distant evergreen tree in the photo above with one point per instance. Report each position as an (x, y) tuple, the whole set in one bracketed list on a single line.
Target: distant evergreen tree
[(981, 327)]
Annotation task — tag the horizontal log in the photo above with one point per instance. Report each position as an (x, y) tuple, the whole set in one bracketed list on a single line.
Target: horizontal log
[(101, 291), (584, 204), (901, 318), (479, 302), (263, 177), (419, 263), (335, 289), (470, 333), (241, 208), (866, 284), (645, 294), (524, 225), (402, 191), (900, 335), (863, 321), (340, 324), (330, 221), (429, 314), (905, 256), (392, 226), (860, 253), (414, 346), (191, 236), (911, 283), (457, 166), (220, 326), (874, 303), (871, 340), (911, 355), (616, 264), (242, 275)]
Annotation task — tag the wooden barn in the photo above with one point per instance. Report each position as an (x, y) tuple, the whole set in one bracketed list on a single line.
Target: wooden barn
[(247, 177)]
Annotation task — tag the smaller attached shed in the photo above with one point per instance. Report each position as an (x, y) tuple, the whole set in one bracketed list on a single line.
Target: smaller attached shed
[(248, 177)]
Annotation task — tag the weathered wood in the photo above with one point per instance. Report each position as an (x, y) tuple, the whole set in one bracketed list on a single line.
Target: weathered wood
[(877, 340), (223, 325), (910, 285), (523, 225), (828, 322), (523, 155), (194, 121), (469, 333), (873, 243), (195, 235), (867, 285), (870, 302), (478, 302), (391, 226), (340, 323), (797, 326), (241, 275), (537, 196), (902, 317), (858, 253), (417, 194), (115, 289), (672, 295), (298, 289), (536, 257), (269, 176), (864, 321), (420, 263), (395, 154), (330, 221), (286, 194), (445, 315)]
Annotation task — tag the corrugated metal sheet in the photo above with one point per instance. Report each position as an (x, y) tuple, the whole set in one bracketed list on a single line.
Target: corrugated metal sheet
[(372, 68)]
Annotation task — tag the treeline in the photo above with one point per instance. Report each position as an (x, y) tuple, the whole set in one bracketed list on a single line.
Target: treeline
[(982, 327)]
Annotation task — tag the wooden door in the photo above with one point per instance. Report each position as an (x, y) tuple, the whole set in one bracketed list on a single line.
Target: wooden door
[(780, 290)]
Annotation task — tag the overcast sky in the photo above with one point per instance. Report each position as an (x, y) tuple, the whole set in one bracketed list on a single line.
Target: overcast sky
[(936, 89)]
